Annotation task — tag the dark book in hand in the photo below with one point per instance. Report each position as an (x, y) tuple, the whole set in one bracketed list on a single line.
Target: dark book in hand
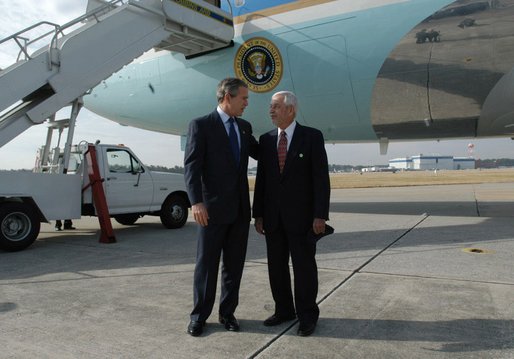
[(316, 237)]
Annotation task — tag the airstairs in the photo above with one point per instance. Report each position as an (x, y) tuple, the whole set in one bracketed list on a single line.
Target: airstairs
[(87, 50)]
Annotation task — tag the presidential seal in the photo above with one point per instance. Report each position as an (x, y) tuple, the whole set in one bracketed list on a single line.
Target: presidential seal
[(259, 64)]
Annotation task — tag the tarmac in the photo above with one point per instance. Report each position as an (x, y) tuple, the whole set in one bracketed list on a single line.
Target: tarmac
[(410, 272)]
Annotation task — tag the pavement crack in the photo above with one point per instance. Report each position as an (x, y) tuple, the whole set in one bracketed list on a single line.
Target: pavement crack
[(87, 276), (476, 202), (424, 216), (438, 278)]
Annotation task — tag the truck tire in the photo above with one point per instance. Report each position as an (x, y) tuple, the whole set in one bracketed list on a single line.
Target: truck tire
[(174, 211), (19, 226), (127, 219)]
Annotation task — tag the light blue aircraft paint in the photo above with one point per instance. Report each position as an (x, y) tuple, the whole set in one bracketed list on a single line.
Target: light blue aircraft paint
[(332, 55)]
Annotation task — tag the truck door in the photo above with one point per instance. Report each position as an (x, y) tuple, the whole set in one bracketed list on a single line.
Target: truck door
[(128, 186)]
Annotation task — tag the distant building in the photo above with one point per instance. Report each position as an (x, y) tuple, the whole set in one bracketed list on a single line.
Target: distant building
[(463, 163), (432, 162), (404, 163), (421, 162)]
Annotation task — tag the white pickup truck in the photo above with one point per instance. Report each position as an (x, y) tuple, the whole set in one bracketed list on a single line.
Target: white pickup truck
[(131, 191)]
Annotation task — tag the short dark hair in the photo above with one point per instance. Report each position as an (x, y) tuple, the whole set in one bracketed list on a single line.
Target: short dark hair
[(229, 85)]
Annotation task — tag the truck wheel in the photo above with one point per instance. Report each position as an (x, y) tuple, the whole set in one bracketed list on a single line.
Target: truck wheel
[(127, 219), (174, 211), (19, 226)]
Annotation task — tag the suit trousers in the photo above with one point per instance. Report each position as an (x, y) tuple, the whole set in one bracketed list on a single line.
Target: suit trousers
[(215, 240), (303, 252)]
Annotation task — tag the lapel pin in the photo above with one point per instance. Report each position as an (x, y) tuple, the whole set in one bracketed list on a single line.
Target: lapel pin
[(301, 155)]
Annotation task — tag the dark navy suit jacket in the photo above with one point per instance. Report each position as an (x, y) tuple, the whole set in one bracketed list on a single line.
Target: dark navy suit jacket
[(302, 192), (211, 173)]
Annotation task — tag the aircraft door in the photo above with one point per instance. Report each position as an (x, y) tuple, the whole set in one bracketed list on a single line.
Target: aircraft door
[(214, 2), (129, 188), (400, 101), (321, 80)]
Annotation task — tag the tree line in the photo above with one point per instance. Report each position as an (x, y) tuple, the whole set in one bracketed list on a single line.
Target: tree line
[(487, 163), (494, 163)]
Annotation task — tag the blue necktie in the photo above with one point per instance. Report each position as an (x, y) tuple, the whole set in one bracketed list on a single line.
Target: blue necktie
[(234, 143)]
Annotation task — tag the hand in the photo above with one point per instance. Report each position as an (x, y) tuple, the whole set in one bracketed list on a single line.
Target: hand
[(259, 225), (318, 226), (200, 214)]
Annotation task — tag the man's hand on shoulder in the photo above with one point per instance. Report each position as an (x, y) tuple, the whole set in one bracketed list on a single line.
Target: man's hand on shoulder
[(200, 214)]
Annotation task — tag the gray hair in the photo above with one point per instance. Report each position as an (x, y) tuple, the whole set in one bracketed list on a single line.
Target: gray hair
[(289, 99), (229, 85)]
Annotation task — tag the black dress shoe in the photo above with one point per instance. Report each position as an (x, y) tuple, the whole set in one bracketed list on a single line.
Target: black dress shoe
[(230, 322), (306, 329), (278, 319), (195, 328)]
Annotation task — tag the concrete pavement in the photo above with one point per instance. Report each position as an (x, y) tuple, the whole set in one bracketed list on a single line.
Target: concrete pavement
[(411, 272)]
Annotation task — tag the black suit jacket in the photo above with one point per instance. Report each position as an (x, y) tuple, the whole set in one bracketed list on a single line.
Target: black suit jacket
[(211, 173), (302, 192)]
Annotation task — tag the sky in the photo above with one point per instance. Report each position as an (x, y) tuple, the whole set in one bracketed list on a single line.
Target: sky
[(162, 149)]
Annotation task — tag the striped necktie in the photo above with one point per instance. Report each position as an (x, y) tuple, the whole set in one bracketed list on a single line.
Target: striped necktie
[(282, 150), (234, 143)]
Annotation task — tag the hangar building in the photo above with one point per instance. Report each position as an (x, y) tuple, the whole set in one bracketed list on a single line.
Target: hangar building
[(432, 162)]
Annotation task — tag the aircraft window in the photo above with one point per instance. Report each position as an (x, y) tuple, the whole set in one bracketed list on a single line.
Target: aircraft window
[(214, 2), (121, 161)]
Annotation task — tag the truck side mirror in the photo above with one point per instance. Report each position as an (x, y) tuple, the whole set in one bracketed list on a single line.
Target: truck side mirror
[(138, 171)]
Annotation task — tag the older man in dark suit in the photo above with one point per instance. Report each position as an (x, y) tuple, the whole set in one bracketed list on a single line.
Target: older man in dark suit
[(291, 205), (216, 164)]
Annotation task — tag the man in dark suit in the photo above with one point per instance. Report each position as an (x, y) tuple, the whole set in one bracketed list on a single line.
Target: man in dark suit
[(216, 165), (291, 205)]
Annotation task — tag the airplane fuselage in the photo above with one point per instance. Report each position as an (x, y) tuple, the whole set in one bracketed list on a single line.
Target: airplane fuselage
[(362, 70)]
